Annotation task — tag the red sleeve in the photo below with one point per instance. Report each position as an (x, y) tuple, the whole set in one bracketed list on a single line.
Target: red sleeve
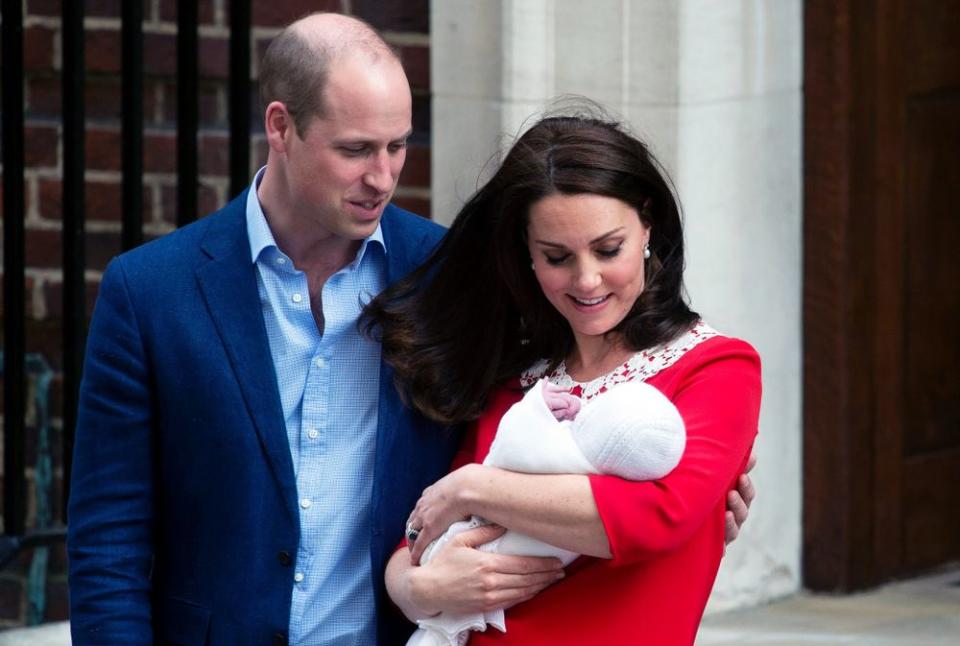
[(716, 387)]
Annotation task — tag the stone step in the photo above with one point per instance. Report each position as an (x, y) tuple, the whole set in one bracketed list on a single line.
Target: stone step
[(57, 634)]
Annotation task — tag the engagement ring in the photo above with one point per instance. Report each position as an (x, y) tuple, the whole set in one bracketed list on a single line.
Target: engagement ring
[(411, 533)]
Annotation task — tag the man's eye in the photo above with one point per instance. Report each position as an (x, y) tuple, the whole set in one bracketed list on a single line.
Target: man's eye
[(352, 150), (398, 146)]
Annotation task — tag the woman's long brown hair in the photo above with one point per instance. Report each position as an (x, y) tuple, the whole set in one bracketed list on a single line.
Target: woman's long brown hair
[(473, 316)]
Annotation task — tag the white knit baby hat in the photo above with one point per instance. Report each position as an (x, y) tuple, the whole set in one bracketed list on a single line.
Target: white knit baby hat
[(632, 431)]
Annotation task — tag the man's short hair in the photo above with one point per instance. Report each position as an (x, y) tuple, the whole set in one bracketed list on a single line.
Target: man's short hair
[(295, 67)]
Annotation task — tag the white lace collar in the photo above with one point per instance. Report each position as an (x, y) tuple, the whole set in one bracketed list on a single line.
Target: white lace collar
[(641, 366)]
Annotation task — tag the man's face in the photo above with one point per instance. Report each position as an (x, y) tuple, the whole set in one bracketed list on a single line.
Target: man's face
[(344, 168)]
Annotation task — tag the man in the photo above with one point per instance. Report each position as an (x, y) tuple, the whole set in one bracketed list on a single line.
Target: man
[(243, 464)]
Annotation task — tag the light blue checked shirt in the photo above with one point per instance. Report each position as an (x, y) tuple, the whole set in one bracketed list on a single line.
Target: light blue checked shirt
[(329, 387)]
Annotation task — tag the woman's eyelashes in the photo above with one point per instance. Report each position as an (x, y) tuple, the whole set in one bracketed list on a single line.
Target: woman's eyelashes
[(602, 252), (610, 252)]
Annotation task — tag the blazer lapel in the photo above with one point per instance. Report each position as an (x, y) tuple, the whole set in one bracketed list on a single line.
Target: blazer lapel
[(228, 282), (400, 261)]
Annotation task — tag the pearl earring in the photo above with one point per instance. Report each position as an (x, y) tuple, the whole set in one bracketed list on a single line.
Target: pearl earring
[(533, 265), (646, 252)]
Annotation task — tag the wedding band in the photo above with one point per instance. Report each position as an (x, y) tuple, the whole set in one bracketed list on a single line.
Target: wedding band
[(411, 533)]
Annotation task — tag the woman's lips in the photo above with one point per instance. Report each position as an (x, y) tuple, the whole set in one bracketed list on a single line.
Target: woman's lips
[(589, 304)]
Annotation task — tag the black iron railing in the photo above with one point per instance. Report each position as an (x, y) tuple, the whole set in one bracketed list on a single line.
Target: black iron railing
[(16, 536)]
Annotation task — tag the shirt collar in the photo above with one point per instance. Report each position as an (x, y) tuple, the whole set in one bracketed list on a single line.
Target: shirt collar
[(261, 237)]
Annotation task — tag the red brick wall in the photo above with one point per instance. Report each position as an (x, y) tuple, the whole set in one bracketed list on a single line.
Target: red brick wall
[(404, 23)]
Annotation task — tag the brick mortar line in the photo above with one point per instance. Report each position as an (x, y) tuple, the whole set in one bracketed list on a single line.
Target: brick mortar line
[(413, 191), (218, 28), (407, 38), (151, 25), (101, 176), (262, 32), (219, 13), (32, 190), (157, 227), (89, 226), (113, 126), (56, 275)]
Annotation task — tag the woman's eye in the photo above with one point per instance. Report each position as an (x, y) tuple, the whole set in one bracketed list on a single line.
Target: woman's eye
[(557, 260), (609, 253)]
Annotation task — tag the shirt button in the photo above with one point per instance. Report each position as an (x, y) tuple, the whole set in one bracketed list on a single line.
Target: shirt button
[(298, 577), (297, 298), (313, 433), (281, 260), (319, 362), (305, 503), (284, 558)]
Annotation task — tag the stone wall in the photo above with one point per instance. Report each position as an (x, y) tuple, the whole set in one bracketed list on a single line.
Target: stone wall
[(715, 88)]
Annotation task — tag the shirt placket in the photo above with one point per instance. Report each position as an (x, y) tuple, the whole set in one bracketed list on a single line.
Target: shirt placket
[(307, 447)]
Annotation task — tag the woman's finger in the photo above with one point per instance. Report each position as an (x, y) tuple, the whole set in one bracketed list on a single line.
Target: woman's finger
[(480, 535)]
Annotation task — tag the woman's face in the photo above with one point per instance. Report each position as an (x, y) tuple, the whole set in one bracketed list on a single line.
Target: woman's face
[(587, 254)]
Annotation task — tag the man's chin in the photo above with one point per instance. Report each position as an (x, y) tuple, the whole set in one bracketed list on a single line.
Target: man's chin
[(362, 230)]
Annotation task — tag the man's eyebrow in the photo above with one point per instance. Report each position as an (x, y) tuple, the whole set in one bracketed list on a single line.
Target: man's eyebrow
[(601, 238), (366, 141)]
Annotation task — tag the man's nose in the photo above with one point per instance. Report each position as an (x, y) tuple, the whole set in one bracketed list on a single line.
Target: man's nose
[(379, 175)]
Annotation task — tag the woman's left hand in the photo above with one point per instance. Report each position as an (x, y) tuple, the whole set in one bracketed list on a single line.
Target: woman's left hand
[(440, 505)]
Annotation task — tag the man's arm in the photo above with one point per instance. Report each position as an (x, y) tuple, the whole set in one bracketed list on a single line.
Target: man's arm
[(738, 503), (110, 529)]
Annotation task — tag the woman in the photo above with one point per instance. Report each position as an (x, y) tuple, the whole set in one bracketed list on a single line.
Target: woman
[(568, 265)]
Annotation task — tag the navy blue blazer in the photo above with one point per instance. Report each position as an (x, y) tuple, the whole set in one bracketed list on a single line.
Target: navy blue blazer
[(183, 522)]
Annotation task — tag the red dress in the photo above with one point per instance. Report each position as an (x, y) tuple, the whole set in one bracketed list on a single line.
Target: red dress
[(666, 536)]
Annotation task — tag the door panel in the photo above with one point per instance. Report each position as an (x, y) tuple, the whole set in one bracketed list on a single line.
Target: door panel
[(932, 286), (881, 289)]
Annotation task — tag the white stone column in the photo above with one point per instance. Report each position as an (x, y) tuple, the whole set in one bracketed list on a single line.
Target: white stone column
[(715, 87)]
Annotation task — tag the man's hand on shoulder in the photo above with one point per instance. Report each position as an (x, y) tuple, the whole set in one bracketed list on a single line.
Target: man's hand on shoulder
[(738, 503)]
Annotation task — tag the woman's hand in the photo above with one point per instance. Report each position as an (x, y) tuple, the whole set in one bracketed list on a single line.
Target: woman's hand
[(440, 505), (461, 579)]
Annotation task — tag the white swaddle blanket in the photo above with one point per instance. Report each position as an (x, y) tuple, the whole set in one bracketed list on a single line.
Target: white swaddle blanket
[(632, 431)]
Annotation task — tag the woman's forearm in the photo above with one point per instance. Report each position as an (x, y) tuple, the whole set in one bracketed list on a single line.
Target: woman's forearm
[(557, 509), (462, 579)]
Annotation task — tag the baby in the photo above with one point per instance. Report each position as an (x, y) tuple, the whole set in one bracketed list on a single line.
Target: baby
[(632, 431)]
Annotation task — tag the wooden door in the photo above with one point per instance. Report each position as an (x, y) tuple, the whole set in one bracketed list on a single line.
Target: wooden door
[(881, 289)]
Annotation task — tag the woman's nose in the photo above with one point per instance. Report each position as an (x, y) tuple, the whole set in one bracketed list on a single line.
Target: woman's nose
[(588, 278)]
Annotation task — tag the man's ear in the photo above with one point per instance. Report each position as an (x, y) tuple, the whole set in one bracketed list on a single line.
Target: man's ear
[(278, 125)]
